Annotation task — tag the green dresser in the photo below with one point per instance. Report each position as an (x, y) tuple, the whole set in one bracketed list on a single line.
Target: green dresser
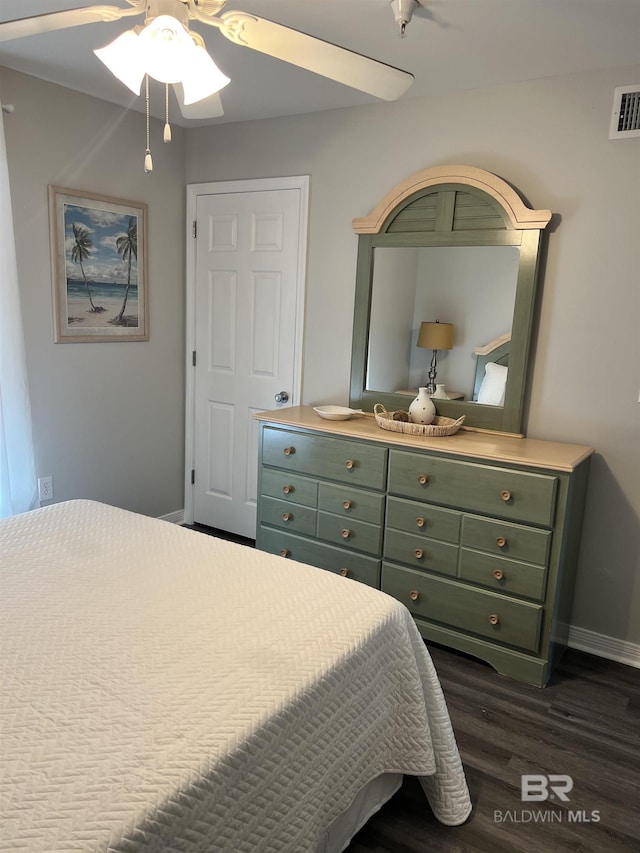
[(322, 501), (477, 534)]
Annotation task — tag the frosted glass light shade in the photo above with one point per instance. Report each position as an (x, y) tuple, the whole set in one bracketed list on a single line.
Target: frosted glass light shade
[(166, 51), (202, 77), (124, 59), (166, 48)]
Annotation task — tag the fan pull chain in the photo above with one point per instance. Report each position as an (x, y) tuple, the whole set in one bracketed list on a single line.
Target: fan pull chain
[(148, 162), (167, 127)]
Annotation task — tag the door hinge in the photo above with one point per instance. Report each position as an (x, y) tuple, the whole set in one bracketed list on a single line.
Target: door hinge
[(193, 476), (194, 230), (193, 358)]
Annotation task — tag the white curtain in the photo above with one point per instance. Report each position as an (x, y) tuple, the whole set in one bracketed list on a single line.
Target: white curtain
[(18, 485)]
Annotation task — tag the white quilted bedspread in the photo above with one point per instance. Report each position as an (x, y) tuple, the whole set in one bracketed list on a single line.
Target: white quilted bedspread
[(167, 691)]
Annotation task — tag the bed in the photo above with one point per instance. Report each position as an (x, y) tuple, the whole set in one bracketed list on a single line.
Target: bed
[(164, 690), (492, 367)]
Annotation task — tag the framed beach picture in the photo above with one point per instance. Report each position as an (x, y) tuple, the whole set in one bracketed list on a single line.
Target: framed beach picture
[(99, 264)]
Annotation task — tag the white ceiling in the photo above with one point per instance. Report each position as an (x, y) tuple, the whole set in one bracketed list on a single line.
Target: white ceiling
[(450, 45)]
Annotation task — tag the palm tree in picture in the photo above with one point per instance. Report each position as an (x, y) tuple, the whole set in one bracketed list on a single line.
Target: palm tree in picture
[(81, 251), (127, 246)]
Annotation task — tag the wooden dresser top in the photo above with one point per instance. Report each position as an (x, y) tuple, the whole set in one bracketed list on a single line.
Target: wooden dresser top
[(490, 447)]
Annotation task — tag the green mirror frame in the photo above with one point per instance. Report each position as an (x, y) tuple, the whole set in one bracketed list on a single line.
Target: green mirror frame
[(452, 206)]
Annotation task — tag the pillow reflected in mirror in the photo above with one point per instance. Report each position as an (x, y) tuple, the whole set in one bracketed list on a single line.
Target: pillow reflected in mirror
[(493, 385)]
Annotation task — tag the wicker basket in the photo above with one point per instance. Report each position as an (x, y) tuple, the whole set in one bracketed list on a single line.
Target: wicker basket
[(399, 422)]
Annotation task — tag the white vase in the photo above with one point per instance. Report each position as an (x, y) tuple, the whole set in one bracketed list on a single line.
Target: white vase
[(440, 393), (422, 410)]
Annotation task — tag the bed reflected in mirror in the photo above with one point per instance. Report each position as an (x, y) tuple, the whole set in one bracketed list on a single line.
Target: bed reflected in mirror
[(492, 372)]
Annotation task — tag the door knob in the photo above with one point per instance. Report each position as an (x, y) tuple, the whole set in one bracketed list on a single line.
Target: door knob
[(282, 397)]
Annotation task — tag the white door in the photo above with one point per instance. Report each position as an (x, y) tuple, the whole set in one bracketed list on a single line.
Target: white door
[(250, 251)]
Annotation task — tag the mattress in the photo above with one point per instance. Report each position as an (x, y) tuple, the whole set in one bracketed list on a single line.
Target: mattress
[(163, 690)]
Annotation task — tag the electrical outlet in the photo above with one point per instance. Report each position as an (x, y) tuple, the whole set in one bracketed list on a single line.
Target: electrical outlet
[(45, 489)]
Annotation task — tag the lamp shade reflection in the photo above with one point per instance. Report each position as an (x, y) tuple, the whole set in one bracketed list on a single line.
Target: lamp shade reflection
[(435, 335)]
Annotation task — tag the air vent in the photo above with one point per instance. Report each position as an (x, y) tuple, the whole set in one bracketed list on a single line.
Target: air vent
[(625, 117)]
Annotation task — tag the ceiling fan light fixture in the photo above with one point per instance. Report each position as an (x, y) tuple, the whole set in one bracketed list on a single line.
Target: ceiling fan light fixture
[(168, 52), (166, 49), (203, 77), (124, 59)]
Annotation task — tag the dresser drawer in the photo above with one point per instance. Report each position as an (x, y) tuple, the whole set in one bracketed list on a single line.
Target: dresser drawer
[(502, 574), (279, 513), (420, 552), (427, 520), (351, 503), (352, 462), (289, 487), (350, 533), (506, 540), (518, 495), (355, 566), (495, 617)]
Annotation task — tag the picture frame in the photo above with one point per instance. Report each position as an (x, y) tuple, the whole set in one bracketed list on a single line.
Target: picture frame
[(99, 267)]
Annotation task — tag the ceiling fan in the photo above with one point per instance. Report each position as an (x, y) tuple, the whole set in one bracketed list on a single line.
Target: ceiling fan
[(166, 24)]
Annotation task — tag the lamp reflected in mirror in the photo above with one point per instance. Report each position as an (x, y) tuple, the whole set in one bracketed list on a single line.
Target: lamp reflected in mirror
[(434, 336)]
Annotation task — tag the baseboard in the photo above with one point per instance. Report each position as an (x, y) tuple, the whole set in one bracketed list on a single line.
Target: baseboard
[(579, 638), (604, 646), (176, 517)]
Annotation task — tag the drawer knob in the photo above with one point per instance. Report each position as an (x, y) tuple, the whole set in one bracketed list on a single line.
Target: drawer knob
[(287, 516), (498, 574), (493, 619), (423, 479), (345, 533), (501, 541), (344, 572), (346, 504), (288, 489), (420, 522), (418, 553), (288, 451), (506, 495), (284, 552), (349, 464), (414, 594)]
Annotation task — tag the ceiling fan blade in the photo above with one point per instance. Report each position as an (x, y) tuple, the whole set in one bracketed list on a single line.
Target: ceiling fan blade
[(37, 24), (321, 57), (210, 107)]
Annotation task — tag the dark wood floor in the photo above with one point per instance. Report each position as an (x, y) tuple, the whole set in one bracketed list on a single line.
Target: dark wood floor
[(585, 724), (221, 534)]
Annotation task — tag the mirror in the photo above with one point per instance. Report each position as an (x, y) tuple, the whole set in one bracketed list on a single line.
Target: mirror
[(471, 287), (455, 245)]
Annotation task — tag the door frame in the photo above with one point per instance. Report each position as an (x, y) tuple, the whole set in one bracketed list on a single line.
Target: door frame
[(299, 182)]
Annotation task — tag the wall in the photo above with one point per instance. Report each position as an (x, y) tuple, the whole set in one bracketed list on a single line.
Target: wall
[(549, 139), (393, 297), (108, 418)]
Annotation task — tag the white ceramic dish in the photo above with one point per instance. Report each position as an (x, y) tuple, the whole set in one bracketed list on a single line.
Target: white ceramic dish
[(336, 413)]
